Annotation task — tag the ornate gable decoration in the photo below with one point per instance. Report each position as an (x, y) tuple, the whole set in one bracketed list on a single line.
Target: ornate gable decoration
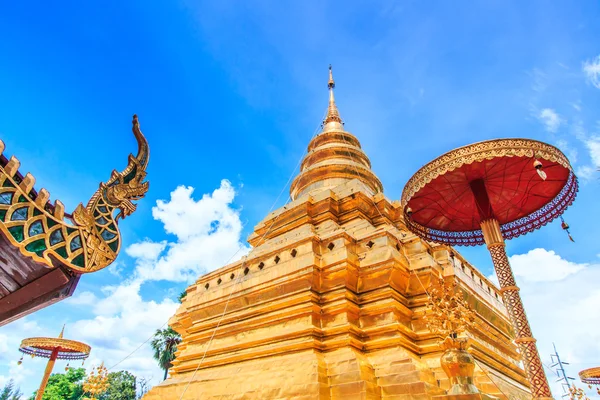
[(86, 241)]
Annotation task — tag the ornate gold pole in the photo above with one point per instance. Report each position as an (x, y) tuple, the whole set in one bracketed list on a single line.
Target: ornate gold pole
[(512, 300), (47, 373)]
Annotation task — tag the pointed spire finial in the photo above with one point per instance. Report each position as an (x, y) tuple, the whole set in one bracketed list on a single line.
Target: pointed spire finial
[(62, 332), (333, 114), (331, 83)]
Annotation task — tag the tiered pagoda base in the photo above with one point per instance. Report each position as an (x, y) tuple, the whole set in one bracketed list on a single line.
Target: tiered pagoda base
[(329, 305)]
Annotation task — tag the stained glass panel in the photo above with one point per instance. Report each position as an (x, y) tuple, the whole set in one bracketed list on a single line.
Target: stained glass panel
[(16, 232), (107, 235), (75, 243), (6, 198), (56, 237), (37, 246), (20, 214), (36, 228)]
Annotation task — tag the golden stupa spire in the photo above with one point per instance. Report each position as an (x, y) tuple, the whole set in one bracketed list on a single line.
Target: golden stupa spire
[(333, 114), (62, 332), (334, 157)]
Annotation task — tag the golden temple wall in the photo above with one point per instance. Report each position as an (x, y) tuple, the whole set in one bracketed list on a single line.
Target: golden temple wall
[(329, 305)]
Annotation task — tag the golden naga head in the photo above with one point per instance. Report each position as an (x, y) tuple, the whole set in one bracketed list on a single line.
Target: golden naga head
[(101, 239), (124, 187)]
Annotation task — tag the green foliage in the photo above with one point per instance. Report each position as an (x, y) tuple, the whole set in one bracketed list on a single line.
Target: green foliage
[(122, 386), (67, 386), (10, 392), (182, 296), (164, 345)]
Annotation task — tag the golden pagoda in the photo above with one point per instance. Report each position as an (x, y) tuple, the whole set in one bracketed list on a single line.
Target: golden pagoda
[(331, 301)]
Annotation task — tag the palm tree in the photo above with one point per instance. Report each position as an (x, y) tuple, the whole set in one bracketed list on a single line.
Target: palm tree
[(182, 296), (164, 345), (10, 392)]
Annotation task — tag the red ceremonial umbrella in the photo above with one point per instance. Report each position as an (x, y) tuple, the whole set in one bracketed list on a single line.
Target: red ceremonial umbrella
[(488, 192)]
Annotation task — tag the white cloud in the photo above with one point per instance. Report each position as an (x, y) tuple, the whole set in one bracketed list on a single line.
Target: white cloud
[(10, 339), (118, 318), (184, 217), (119, 322), (589, 172), (554, 267), (586, 173), (591, 69), (82, 299), (550, 119), (208, 232), (146, 250), (560, 298), (578, 130), (540, 80), (116, 268), (593, 145), (123, 318)]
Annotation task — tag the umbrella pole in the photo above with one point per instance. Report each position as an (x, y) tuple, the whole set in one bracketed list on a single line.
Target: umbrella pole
[(512, 300), (47, 373)]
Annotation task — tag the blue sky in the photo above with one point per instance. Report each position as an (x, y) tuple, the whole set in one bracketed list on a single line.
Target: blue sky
[(235, 90)]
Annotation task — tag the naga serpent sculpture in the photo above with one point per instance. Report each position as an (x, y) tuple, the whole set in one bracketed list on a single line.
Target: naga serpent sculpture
[(88, 242)]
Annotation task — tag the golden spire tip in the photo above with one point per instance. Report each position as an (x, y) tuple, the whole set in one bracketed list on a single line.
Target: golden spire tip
[(331, 83), (332, 112), (62, 332)]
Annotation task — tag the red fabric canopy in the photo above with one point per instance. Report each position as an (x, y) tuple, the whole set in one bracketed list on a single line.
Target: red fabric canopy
[(514, 188)]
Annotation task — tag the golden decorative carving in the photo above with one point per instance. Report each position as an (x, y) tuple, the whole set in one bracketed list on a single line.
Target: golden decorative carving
[(97, 382), (576, 393), (459, 365), (449, 315), (37, 227), (590, 376)]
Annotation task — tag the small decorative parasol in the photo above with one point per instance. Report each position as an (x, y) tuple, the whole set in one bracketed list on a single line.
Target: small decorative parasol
[(53, 349), (488, 192), (591, 376)]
